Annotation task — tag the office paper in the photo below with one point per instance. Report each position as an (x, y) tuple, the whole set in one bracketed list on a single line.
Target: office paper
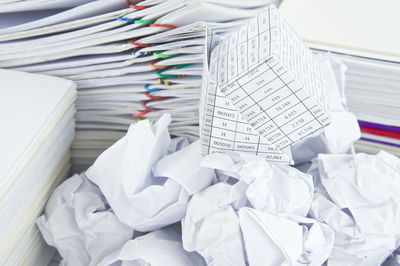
[(358, 197), (159, 248), (265, 90), (235, 208), (49, 17), (16, 155), (88, 230), (131, 192), (91, 44), (38, 128)]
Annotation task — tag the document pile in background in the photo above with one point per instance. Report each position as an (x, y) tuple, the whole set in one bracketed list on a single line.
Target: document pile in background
[(129, 62), (364, 36), (8, 6), (37, 130)]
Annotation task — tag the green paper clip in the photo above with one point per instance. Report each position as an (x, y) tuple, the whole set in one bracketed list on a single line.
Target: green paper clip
[(163, 56)]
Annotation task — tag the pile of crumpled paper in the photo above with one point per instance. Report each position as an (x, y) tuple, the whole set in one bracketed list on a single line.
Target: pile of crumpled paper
[(150, 200), (153, 200)]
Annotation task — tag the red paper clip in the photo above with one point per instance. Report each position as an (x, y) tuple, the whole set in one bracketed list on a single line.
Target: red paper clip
[(164, 25), (142, 113), (137, 7), (139, 44), (148, 95)]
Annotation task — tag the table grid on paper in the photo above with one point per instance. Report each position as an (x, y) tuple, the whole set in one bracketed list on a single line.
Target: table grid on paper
[(225, 130), (223, 126), (275, 104), (246, 70)]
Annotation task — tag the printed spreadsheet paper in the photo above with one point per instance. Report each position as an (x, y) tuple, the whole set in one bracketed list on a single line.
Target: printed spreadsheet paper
[(263, 90)]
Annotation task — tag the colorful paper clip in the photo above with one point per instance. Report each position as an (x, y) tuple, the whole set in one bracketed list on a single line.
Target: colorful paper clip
[(151, 64), (182, 66), (148, 95), (142, 113), (146, 87), (139, 52), (133, 42), (161, 75), (163, 56), (164, 26), (135, 21), (137, 7)]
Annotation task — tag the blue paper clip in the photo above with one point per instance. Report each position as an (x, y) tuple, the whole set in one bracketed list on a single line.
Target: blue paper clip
[(139, 52), (126, 19), (136, 21), (146, 86)]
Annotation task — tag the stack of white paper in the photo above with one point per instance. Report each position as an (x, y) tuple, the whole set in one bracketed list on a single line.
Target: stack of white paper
[(129, 62), (33, 5), (37, 130), (363, 34)]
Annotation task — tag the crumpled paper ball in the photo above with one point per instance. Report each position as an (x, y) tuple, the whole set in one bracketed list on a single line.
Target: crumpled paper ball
[(257, 220), (146, 181), (78, 221), (358, 196), (159, 248)]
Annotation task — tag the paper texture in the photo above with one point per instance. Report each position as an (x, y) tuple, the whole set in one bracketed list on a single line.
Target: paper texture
[(32, 133), (358, 197), (80, 224), (343, 131), (264, 90), (139, 166), (159, 248), (255, 215)]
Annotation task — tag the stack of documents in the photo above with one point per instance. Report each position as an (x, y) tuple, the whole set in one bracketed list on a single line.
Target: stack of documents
[(363, 34), (37, 5), (129, 62), (37, 130)]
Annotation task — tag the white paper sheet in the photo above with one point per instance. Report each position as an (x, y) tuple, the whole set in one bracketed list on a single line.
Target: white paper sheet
[(211, 226), (273, 188), (259, 220), (358, 197), (136, 175), (79, 223), (257, 81), (339, 136), (159, 248), (269, 239), (83, 11)]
